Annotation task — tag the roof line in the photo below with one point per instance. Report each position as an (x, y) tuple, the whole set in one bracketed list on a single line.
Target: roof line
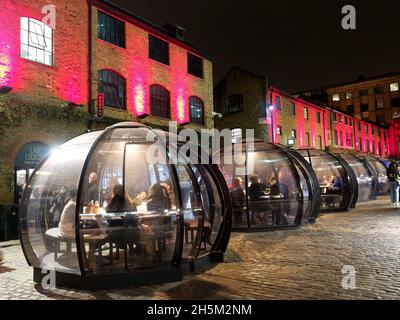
[(144, 24), (376, 77)]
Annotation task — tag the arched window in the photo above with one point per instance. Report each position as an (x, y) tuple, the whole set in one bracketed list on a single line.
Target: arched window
[(114, 87), (36, 41), (196, 110), (160, 105)]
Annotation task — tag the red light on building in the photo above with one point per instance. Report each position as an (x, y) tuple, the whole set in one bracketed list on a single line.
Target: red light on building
[(100, 105)]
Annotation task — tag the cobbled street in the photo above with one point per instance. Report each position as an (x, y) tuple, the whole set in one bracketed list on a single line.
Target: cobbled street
[(302, 264)]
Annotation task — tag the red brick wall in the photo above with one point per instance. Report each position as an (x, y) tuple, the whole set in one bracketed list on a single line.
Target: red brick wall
[(67, 80), (134, 64)]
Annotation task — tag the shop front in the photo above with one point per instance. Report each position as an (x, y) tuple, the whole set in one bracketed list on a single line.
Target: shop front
[(25, 161)]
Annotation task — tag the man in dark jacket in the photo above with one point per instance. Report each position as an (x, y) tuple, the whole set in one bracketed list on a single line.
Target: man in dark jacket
[(394, 181)]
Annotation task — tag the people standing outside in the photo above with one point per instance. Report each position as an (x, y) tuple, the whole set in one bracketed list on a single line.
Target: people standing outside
[(394, 181)]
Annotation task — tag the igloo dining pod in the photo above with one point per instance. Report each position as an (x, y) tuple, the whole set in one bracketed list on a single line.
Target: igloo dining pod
[(367, 180), (379, 167), (100, 213), (272, 187), (337, 181)]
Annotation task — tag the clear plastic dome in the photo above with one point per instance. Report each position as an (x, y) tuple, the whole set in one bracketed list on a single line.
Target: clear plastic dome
[(337, 181), (380, 170), (367, 180), (272, 187), (98, 207)]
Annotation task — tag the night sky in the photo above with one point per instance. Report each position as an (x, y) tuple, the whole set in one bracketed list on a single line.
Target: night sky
[(297, 45)]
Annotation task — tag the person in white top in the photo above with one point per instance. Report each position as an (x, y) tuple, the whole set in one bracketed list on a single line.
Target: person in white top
[(67, 220)]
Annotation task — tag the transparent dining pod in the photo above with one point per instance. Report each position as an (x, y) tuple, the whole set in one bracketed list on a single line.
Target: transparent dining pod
[(337, 181), (271, 186), (379, 167), (367, 180), (101, 213)]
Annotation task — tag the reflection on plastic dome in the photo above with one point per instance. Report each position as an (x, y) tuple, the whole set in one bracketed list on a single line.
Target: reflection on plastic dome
[(96, 206), (337, 190), (276, 191)]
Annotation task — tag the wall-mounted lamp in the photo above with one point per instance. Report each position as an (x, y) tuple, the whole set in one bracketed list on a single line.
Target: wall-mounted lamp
[(271, 107), (216, 115), (5, 89)]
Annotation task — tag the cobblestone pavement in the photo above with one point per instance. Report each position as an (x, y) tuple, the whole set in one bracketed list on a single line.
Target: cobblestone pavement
[(300, 264)]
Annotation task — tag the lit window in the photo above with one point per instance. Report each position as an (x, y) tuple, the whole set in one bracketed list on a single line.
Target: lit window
[(349, 95), (114, 88), (394, 87), (336, 97), (196, 110), (294, 134), (306, 115), (36, 41), (236, 135), (279, 130)]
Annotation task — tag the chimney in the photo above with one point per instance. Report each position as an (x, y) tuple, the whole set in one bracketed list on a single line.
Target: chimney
[(175, 31)]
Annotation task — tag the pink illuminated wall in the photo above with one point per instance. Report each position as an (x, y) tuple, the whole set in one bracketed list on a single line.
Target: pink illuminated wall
[(141, 72), (67, 79), (394, 138)]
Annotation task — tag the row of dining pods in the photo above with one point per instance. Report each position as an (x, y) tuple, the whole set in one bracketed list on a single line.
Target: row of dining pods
[(100, 213), (279, 187)]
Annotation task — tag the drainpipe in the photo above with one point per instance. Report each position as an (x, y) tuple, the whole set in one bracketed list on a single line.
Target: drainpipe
[(90, 49)]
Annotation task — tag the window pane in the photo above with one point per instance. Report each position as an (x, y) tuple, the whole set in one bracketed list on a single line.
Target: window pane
[(24, 23), (24, 51), (24, 36), (40, 56)]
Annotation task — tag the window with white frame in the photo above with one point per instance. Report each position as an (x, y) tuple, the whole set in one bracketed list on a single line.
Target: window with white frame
[(336, 97), (236, 135), (36, 41), (394, 87)]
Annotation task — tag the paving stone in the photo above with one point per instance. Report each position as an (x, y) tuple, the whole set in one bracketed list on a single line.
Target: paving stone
[(298, 264)]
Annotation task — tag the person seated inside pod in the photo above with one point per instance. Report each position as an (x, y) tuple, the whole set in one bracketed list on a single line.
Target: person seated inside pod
[(337, 183), (238, 199), (335, 186), (127, 230), (257, 189), (157, 199), (258, 206), (67, 221), (280, 211), (170, 194)]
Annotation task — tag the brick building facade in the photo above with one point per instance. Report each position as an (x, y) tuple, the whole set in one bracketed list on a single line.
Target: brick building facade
[(50, 80), (375, 99), (246, 101), (243, 93)]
